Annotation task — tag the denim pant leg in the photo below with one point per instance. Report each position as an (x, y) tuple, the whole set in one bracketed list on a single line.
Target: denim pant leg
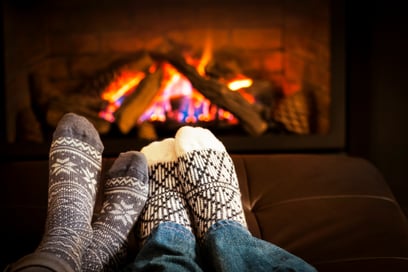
[(230, 247), (170, 247)]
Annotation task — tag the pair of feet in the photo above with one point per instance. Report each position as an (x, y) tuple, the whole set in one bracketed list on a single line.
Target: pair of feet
[(71, 241), (192, 182), (189, 180)]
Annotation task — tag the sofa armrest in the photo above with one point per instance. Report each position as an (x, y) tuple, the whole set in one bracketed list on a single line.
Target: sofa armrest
[(335, 211)]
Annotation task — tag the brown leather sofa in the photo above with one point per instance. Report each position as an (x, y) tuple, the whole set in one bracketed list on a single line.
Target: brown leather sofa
[(334, 211)]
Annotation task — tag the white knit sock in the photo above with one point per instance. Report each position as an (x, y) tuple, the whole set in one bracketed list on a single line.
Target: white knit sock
[(165, 202), (209, 179)]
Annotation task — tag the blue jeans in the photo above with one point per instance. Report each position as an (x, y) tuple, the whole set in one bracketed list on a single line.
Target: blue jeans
[(227, 246)]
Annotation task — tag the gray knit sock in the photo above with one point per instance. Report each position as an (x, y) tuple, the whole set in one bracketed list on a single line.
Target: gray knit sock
[(74, 170), (165, 201), (125, 195), (209, 179)]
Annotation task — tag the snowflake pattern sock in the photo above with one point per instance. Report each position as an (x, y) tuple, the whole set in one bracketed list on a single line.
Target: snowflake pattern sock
[(125, 194), (74, 169), (209, 179), (165, 201)]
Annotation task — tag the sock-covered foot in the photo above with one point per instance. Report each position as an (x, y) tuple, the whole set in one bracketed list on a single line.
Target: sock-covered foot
[(74, 170), (125, 195), (165, 202), (209, 179)]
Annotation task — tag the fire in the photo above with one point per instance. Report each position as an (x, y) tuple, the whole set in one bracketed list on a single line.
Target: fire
[(117, 91), (206, 57), (239, 84), (176, 100), (122, 86)]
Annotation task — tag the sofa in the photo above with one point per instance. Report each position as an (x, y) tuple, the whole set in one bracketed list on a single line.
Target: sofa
[(334, 211)]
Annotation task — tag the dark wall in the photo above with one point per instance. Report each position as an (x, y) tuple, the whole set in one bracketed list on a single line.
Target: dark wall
[(377, 60)]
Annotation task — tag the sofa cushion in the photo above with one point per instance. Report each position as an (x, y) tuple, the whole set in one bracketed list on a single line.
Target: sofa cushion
[(334, 211)]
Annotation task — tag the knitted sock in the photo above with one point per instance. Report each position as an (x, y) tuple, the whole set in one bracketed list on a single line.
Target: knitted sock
[(165, 201), (75, 164), (209, 179), (125, 195)]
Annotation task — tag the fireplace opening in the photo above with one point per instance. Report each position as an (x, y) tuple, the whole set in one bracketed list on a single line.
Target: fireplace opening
[(261, 76)]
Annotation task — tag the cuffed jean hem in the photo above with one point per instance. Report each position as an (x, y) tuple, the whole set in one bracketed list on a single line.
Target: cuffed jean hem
[(170, 247), (230, 247)]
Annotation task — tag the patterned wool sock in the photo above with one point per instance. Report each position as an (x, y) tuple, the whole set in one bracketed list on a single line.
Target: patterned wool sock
[(165, 201), (209, 179), (125, 195), (74, 169)]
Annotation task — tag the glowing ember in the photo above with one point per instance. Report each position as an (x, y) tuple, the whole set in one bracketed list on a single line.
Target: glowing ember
[(239, 84)]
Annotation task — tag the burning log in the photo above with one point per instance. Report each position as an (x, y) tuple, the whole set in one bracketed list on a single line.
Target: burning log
[(136, 103), (50, 104), (122, 68), (147, 131), (224, 66), (216, 92), (84, 105), (28, 128)]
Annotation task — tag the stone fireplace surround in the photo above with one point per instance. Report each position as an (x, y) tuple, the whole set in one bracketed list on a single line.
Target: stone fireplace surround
[(294, 43)]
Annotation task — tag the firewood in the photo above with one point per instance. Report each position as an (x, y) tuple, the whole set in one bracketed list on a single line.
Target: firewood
[(266, 94), (216, 92), (147, 131), (117, 69), (224, 65), (86, 106), (41, 92), (28, 128), (50, 103), (136, 104)]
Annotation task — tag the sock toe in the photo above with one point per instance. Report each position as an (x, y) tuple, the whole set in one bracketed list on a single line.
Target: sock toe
[(131, 163), (78, 127), (160, 151), (194, 139)]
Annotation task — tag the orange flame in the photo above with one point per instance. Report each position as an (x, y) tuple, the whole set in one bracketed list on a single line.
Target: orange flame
[(116, 90), (206, 57), (176, 99), (126, 82), (191, 105)]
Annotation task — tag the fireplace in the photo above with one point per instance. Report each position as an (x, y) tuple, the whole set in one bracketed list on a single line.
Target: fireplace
[(263, 76)]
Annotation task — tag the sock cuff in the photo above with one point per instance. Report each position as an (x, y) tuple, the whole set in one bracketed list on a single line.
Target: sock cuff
[(190, 139), (41, 261), (160, 151)]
